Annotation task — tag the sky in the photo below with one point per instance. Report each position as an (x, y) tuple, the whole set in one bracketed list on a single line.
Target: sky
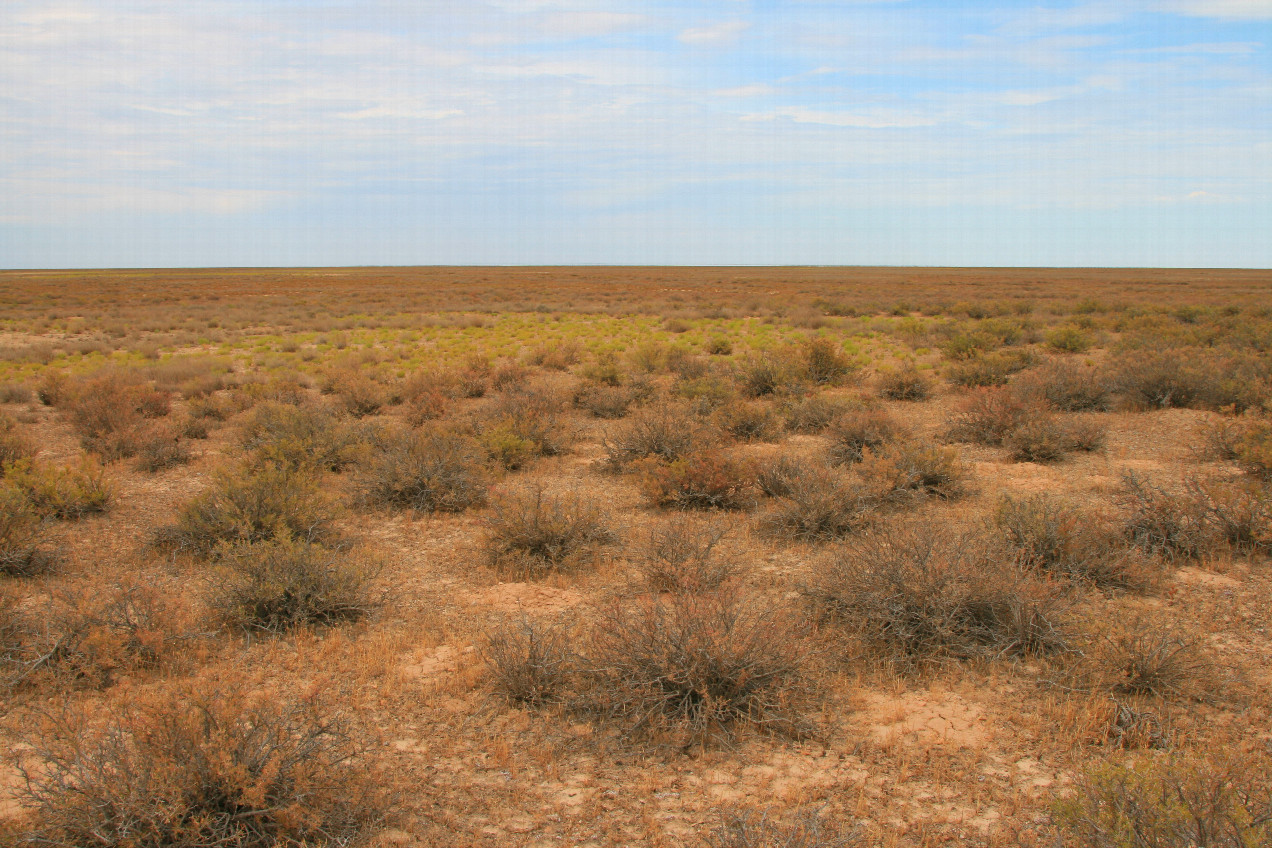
[(157, 133)]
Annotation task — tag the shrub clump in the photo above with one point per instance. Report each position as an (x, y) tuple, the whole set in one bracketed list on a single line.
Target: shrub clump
[(303, 436), (912, 468), (276, 584), (529, 663), (206, 764), (680, 556), (65, 492), (816, 505), (1162, 523), (20, 536), (853, 432), (664, 432), (531, 532), (693, 667), (254, 505), (750, 421), (427, 471), (905, 383), (706, 479), (812, 414), (524, 424), (920, 594), (1066, 386), (14, 446)]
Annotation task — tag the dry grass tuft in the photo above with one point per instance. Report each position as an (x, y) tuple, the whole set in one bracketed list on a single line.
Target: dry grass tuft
[(804, 829), (529, 663)]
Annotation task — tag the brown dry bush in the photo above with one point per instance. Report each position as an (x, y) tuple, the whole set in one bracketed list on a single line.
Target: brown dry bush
[(749, 421), (1041, 438), (1162, 523), (1066, 386), (905, 383), (357, 393), (813, 414), (20, 535), (611, 402), (1155, 379), (681, 556), (1217, 800), (65, 492), (853, 432), (913, 468), (775, 474), (825, 363), (706, 479), (304, 436), (161, 448), (1254, 450), (1054, 536), (108, 413), (277, 584), (1143, 657), (817, 505), (524, 424), (87, 634), (427, 471), (986, 416), (14, 446), (991, 369), (253, 504), (1238, 512), (215, 763), (529, 663), (666, 431), (804, 829), (556, 356), (696, 667), (531, 532), (918, 593), (762, 375)]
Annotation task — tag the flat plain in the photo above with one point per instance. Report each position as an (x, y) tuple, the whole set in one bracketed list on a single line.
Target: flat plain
[(636, 556)]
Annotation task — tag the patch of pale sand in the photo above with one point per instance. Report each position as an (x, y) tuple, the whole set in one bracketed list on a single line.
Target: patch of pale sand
[(1193, 576), (527, 597), (928, 719)]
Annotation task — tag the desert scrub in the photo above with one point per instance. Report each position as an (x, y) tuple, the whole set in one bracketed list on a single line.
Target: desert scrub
[(742, 828), (665, 431), (525, 424), (1056, 537), (1143, 657), (853, 432), (762, 375), (1160, 522), (253, 504), (749, 421), (815, 504), (1253, 449), (681, 556), (206, 763), (986, 416), (1041, 438), (905, 383), (691, 668), (609, 401), (108, 412), (813, 414), (912, 468), (529, 663), (21, 532), (65, 492), (357, 394), (1237, 512), (276, 584), (707, 479), (917, 593), (161, 448), (1155, 379), (531, 532), (1172, 801), (427, 471), (1066, 386), (14, 446), (826, 363), (303, 436)]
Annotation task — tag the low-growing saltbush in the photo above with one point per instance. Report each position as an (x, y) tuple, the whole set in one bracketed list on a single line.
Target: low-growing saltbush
[(812, 414), (427, 471), (986, 416), (749, 421), (1056, 537), (1160, 522), (911, 468), (20, 536), (1066, 386), (815, 504), (531, 532), (665, 432), (680, 556), (906, 383), (707, 479), (852, 433), (303, 436), (65, 492)]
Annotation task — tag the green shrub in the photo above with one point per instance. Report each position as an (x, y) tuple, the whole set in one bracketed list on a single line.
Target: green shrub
[(1068, 340), (308, 436), (65, 492)]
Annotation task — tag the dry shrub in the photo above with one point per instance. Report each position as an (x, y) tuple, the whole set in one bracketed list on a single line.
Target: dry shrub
[(680, 556), (1254, 449), (826, 363), (913, 468), (357, 394), (1238, 512), (853, 432), (524, 424), (161, 448), (65, 492), (215, 763), (529, 663), (508, 375), (1142, 657), (1051, 535), (14, 446), (992, 369), (665, 431), (1085, 434), (277, 584), (774, 475), (1155, 379), (1066, 386), (1162, 523), (611, 402), (1220, 440), (694, 667), (53, 389), (919, 593), (750, 421), (108, 413), (803, 829), (706, 393), (1041, 438), (531, 532), (15, 393), (556, 356), (986, 416), (253, 504), (426, 406), (816, 505), (87, 634), (1218, 800), (218, 407), (307, 436), (707, 479), (427, 471), (813, 414), (905, 383), (20, 536)]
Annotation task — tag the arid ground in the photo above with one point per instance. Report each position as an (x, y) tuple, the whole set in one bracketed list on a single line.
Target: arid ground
[(636, 556)]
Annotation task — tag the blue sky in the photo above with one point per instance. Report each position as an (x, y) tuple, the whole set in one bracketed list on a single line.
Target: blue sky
[(901, 132)]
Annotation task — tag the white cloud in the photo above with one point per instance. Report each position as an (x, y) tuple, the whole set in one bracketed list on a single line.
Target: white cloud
[(714, 35), (755, 90), (874, 119), (1238, 10)]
